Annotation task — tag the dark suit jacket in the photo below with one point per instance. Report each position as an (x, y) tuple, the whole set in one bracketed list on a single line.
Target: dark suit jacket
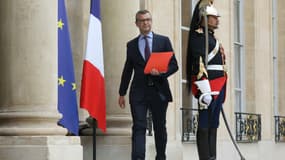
[(135, 62)]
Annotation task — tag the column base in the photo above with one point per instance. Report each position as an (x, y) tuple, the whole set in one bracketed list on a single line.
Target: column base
[(40, 148), (16, 122)]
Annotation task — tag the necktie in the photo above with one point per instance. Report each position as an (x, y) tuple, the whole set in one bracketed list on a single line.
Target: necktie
[(146, 49)]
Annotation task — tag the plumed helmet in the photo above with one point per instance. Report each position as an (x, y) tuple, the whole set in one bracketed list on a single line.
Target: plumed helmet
[(202, 7), (211, 11)]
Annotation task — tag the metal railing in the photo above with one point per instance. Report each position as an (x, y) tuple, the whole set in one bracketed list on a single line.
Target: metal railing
[(248, 127), (279, 128), (189, 124)]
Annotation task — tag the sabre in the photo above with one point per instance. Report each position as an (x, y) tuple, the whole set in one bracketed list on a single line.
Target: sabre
[(231, 135), (206, 37)]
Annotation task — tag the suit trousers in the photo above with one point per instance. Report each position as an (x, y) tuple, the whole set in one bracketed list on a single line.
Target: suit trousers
[(157, 104)]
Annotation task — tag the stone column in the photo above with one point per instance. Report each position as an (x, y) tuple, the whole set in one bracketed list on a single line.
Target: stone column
[(250, 59), (28, 84), (264, 66), (281, 56), (28, 93)]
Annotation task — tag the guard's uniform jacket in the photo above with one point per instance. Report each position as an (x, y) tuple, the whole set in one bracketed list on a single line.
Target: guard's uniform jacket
[(215, 71)]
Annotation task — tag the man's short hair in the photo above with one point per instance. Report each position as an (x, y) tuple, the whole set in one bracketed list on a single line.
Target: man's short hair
[(143, 11)]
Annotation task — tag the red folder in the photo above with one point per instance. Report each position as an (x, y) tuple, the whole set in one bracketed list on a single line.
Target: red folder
[(159, 61)]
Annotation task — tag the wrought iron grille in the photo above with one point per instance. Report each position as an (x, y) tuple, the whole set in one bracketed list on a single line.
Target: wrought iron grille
[(189, 124), (248, 127), (279, 128)]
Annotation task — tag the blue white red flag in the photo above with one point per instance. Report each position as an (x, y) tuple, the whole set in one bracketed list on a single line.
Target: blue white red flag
[(93, 96)]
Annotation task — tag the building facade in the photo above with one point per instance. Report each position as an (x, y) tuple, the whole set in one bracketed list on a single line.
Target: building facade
[(251, 32)]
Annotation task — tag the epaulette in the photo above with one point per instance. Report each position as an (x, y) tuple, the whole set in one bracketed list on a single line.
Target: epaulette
[(199, 30)]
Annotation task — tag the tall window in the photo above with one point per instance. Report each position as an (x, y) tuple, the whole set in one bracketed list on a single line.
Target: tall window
[(239, 56), (275, 56)]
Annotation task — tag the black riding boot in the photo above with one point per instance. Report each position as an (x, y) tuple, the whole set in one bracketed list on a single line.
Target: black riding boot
[(203, 143), (213, 143)]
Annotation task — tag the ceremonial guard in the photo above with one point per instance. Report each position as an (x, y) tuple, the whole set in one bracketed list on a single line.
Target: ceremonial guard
[(206, 75)]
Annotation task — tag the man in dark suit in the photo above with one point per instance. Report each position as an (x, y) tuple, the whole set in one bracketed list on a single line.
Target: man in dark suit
[(147, 91)]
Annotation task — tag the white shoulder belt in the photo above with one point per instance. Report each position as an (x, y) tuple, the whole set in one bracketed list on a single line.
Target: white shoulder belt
[(214, 51)]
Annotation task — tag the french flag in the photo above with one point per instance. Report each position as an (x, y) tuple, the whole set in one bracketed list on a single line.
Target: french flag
[(92, 96)]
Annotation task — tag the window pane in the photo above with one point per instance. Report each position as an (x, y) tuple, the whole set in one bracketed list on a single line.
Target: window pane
[(237, 21), (187, 97), (238, 101), (238, 69), (237, 66)]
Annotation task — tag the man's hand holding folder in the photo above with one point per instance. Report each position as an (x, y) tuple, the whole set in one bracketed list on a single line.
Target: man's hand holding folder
[(158, 61)]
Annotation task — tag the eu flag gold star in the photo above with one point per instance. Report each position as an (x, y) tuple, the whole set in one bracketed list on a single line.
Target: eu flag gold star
[(60, 24), (73, 86), (61, 81)]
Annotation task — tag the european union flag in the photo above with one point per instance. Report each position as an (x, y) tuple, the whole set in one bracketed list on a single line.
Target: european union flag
[(67, 103)]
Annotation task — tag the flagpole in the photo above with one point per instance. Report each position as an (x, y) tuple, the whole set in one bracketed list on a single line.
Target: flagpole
[(94, 138)]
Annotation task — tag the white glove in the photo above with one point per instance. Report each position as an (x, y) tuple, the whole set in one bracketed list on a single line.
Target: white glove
[(207, 99)]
